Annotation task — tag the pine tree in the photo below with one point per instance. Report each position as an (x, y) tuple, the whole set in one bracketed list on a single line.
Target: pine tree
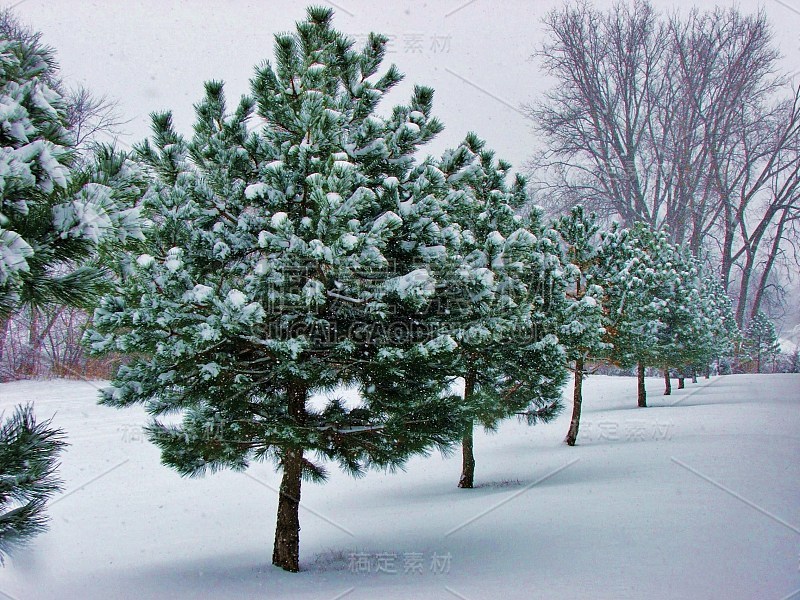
[(53, 221), (28, 454), (760, 340), (682, 339), (582, 323), (54, 217), (639, 282), (285, 260), (501, 284), (34, 162), (721, 333)]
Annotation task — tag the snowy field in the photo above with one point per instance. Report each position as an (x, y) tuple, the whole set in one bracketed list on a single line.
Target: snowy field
[(697, 497)]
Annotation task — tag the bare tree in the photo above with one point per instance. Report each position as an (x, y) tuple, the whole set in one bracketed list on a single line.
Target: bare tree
[(677, 122), (757, 179), (596, 121), (90, 117), (93, 118), (46, 341)]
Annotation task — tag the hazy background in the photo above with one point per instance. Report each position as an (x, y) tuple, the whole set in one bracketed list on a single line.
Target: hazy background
[(154, 55)]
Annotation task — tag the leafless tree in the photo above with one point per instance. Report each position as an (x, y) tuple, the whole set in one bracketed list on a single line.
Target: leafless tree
[(757, 179), (92, 118), (46, 341), (680, 122), (596, 120)]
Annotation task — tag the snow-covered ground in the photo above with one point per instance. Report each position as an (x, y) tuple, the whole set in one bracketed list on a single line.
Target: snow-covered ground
[(696, 497)]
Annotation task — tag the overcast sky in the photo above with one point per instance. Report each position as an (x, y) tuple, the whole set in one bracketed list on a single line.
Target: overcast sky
[(155, 55)]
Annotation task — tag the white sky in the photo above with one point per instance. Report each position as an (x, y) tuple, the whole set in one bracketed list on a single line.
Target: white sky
[(155, 55)]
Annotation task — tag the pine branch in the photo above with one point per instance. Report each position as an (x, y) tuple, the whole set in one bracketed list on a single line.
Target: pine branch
[(28, 454)]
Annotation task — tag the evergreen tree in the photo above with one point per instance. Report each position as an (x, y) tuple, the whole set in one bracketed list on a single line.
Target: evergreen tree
[(582, 326), (639, 282), (288, 260), (34, 162), (28, 454), (794, 361), (682, 339), (52, 222), (501, 285), (722, 335), (760, 340)]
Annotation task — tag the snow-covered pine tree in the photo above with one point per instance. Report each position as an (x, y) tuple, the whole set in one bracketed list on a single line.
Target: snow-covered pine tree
[(502, 279), (28, 461), (287, 261), (581, 328), (760, 340), (34, 161), (682, 339), (52, 223), (718, 335), (638, 280), (794, 361)]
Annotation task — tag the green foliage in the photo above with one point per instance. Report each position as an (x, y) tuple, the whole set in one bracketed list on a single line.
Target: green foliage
[(582, 318), (639, 283), (286, 260), (661, 308), (721, 336), (58, 223), (34, 161), (502, 274), (682, 341), (52, 217), (760, 342), (28, 455)]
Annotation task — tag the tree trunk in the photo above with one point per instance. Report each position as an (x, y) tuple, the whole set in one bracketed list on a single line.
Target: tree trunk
[(467, 458), (694, 374), (727, 245), (32, 357), (642, 392), (3, 334), (577, 399), (286, 552), (667, 383), (681, 381), (708, 372), (744, 288), (467, 479), (763, 281), (29, 359)]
